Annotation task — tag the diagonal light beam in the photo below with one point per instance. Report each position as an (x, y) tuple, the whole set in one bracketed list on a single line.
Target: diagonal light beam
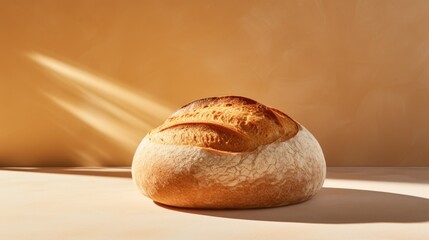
[(121, 134), (103, 87)]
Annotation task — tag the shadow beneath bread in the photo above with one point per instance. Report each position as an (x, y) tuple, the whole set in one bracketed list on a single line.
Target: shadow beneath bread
[(335, 205), (99, 172)]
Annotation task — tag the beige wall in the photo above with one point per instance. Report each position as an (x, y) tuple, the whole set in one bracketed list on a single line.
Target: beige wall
[(81, 82)]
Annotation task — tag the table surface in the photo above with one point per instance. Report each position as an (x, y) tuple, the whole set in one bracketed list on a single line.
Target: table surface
[(103, 203)]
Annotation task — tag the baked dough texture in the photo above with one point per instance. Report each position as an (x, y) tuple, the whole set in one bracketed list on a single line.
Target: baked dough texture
[(229, 152)]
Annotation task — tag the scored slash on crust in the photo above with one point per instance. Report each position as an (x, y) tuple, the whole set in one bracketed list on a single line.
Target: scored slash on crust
[(228, 123)]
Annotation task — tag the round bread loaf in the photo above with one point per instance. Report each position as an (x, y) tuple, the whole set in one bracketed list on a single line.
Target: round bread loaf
[(229, 152)]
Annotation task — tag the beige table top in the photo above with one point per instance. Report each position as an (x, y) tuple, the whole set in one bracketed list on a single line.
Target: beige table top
[(103, 203)]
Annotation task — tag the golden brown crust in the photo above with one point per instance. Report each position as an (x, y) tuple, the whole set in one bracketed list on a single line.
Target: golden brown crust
[(230, 123)]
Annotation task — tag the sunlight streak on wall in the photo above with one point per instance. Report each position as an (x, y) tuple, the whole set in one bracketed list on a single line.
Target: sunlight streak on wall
[(104, 125), (101, 86), (116, 111)]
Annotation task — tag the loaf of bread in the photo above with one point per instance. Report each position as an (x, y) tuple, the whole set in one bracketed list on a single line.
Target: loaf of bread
[(229, 152)]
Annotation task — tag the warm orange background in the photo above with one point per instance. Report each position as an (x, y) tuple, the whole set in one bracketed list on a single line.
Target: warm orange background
[(83, 81)]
